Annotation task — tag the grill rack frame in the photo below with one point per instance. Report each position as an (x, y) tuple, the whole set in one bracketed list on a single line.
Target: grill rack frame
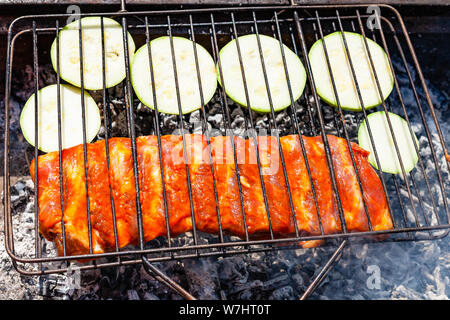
[(232, 246)]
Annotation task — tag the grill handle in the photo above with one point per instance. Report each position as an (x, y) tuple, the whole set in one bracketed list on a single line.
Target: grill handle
[(161, 277), (324, 271)]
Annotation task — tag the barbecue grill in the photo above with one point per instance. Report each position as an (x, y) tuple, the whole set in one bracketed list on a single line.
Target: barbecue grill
[(297, 27)]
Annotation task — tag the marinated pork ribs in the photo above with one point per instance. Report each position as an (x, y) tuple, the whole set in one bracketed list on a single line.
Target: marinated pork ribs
[(313, 205)]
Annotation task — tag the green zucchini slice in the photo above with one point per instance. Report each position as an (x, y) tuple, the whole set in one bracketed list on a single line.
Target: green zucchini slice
[(71, 118), (342, 72), (69, 52), (164, 75), (384, 142), (254, 76)]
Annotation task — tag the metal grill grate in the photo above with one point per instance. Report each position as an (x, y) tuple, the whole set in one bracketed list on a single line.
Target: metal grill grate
[(296, 27)]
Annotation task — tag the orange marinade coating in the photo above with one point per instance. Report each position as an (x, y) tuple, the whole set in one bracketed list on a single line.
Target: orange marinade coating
[(229, 206)]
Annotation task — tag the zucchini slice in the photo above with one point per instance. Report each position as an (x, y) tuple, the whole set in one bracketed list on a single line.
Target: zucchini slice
[(384, 143), (254, 76), (164, 75), (71, 118), (69, 52), (342, 73)]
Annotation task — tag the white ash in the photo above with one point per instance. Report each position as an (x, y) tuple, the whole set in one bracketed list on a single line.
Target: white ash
[(12, 284)]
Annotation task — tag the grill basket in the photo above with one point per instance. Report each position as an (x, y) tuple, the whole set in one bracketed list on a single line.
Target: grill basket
[(418, 201)]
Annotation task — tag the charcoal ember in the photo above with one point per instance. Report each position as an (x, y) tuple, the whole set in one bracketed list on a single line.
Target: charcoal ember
[(143, 120), (238, 123), (202, 278), (144, 290), (20, 195), (23, 83), (312, 109), (175, 271), (214, 107), (195, 117), (429, 252), (248, 290), (233, 268), (277, 282), (331, 129), (143, 109), (106, 288), (311, 100), (97, 95), (197, 123), (283, 293), (284, 123), (117, 91), (305, 123), (159, 290), (329, 114), (281, 116), (170, 121), (223, 295), (133, 295), (258, 270), (102, 132), (215, 119), (17, 143), (230, 102), (352, 122), (401, 292), (407, 270), (120, 124), (171, 124), (245, 295), (277, 263), (201, 129), (299, 283), (217, 132), (262, 122), (102, 284), (298, 107), (240, 132), (149, 296), (89, 296), (237, 112), (15, 108)]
